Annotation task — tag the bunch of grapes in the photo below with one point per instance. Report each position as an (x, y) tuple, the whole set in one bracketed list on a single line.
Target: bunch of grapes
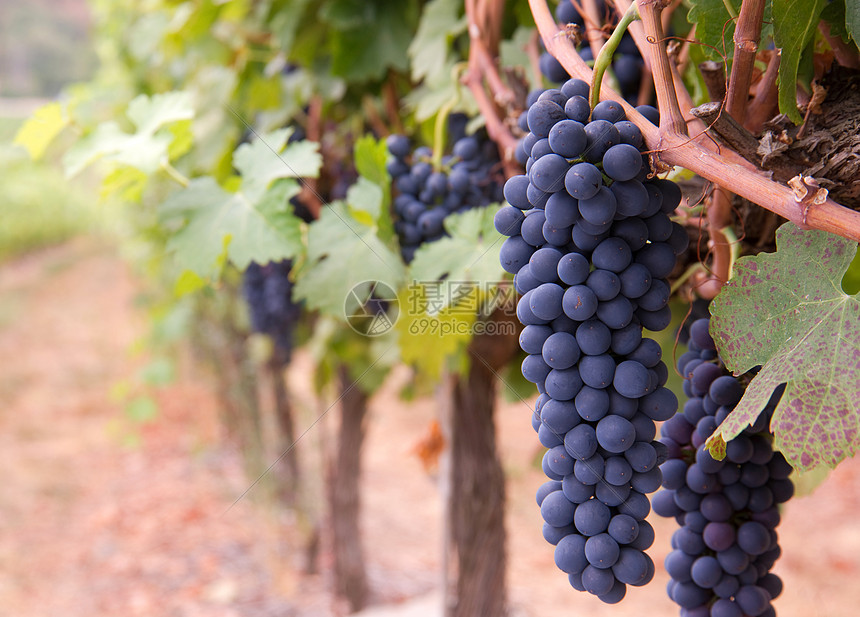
[(591, 244), (727, 509), (268, 291), (470, 177), (577, 109), (627, 62)]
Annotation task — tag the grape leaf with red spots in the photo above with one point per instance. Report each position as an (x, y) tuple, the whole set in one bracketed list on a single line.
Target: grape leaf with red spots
[(787, 313)]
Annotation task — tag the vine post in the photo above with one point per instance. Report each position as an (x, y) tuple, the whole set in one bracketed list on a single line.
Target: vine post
[(344, 473)]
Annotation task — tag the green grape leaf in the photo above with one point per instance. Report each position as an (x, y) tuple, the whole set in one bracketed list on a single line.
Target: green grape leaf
[(147, 147), (148, 114), (341, 253), (468, 259), (714, 26), (37, 133), (145, 35), (365, 201), (512, 52), (126, 183), (370, 159), (834, 14), (429, 336), (787, 313), (371, 155), (255, 223), (440, 24), (852, 18), (851, 280), (357, 56), (223, 224), (454, 281), (794, 25), (264, 160), (428, 98), (286, 21)]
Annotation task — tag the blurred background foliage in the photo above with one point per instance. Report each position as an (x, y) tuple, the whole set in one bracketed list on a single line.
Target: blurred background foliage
[(45, 45)]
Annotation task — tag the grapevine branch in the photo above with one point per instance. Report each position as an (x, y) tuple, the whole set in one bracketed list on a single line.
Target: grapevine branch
[(764, 105), (645, 88), (593, 20), (681, 58), (666, 16), (314, 130), (368, 106), (392, 102), (678, 149), (501, 91), (747, 34), (533, 54), (719, 217), (729, 130), (671, 119), (685, 101), (644, 45), (714, 74), (481, 65)]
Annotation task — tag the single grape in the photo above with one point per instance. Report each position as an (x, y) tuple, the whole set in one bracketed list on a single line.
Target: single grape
[(583, 181), (560, 350), (622, 162), (542, 115), (567, 138)]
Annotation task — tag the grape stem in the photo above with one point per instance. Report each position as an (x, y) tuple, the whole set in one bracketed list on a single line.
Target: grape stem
[(636, 31), (604, 57), (725, 169)]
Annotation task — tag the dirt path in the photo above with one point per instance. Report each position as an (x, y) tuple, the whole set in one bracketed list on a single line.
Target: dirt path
[(89, 527)]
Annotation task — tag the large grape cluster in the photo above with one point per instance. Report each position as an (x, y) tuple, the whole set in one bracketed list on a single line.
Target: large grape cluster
[(627, 62), (591, 244), (470, 177), (727, 509), (268, 292)]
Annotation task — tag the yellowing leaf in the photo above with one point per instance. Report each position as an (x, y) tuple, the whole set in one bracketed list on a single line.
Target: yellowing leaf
[(41, 129)]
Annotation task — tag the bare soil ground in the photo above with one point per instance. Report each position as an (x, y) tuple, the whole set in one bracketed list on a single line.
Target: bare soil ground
[(92, 527)]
